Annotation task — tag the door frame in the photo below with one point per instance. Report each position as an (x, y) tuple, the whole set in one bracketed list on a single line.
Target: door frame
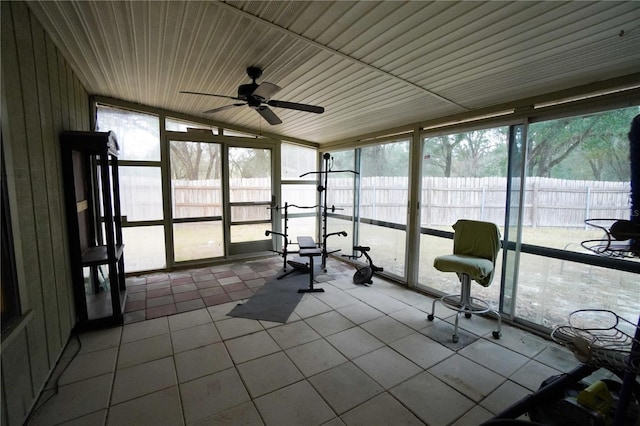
[(225, 142), (256, 246)]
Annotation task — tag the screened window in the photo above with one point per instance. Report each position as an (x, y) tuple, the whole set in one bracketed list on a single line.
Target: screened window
[(577, 168), (299, 192), (464, 176), (138, 134), (140, 193), (176, 125), (384, 194), (196, 179), (296, 161), (340, 189)]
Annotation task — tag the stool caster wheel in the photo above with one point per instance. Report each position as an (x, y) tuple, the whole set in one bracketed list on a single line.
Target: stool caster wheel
[(455, 338), (430, 317), (496, 334), (467, 315)]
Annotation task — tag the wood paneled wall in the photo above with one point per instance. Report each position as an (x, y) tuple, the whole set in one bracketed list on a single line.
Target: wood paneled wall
[(41, 96)]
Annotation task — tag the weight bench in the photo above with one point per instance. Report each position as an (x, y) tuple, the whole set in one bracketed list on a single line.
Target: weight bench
[(308, 249)]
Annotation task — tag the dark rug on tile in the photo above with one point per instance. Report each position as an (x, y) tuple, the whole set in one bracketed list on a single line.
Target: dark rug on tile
[(442, 332), (275, 300)]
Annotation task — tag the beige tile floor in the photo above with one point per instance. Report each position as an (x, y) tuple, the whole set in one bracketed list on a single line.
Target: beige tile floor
[(349, 356)]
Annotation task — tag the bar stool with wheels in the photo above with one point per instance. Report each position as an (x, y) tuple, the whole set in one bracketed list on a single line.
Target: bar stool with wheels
[(475, 248)]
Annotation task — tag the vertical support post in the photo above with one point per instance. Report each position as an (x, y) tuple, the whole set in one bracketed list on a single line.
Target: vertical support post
[(514, 217), (412, 256), (326, 157), (168, 195), (286, 236), (118, 220), (357, 197)]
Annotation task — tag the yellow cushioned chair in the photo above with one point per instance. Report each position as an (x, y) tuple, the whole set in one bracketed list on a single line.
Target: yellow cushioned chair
[(475, 249)]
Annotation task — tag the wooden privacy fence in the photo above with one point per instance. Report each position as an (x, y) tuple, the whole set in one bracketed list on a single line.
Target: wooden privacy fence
[(198, 198), (547, 202)]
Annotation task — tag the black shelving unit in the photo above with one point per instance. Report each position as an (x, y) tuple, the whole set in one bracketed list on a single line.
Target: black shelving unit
[(92, 201)]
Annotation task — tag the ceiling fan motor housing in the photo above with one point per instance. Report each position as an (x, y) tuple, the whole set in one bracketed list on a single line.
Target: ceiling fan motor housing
[(254, 73), (245, 92)]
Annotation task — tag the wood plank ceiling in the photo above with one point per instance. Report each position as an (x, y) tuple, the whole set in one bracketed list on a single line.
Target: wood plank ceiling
[(373, 65)]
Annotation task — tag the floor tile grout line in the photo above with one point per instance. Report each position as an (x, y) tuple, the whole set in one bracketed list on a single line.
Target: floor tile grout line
[(325, 338), (170, 286), (113, 379), (504, 380), (175, 370)]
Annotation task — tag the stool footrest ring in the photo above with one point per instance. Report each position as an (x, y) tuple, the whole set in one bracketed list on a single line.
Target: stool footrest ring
[(473, 306)]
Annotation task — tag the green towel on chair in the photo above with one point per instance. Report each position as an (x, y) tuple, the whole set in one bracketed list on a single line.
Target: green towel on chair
[(475, 249)]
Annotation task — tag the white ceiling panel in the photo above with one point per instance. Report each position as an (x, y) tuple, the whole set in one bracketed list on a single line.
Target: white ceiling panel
[(372, 65)]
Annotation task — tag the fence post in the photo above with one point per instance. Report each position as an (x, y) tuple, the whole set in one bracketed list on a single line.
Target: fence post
[(426, 201), (587, 209), (373, 201), (173, 198), (534, 204)]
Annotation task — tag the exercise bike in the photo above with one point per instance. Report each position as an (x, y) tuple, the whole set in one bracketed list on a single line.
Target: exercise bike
[(364, 273)]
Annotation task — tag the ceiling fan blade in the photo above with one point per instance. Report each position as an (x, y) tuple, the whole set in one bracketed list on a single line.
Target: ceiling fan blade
[(296, 106), (210, 94), (268, 115), (211, 111), (266, 90)]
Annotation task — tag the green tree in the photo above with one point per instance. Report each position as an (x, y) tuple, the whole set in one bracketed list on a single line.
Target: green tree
[(551, 142), (341, 160), (439, 151), (389, 159), (195, 160), (480, 153), (249, 162), (606, 150), (477, 153), (559, 148)]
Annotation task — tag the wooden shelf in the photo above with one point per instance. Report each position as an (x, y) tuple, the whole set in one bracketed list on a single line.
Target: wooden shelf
[(99, 255), (94, 218), (99, 305)]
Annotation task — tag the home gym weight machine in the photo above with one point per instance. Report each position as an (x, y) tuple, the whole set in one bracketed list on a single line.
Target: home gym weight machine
[(306, 245), (322, 189), (285, 236)]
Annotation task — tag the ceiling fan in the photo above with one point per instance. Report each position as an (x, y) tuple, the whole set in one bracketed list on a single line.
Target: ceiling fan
[(258, 97)]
